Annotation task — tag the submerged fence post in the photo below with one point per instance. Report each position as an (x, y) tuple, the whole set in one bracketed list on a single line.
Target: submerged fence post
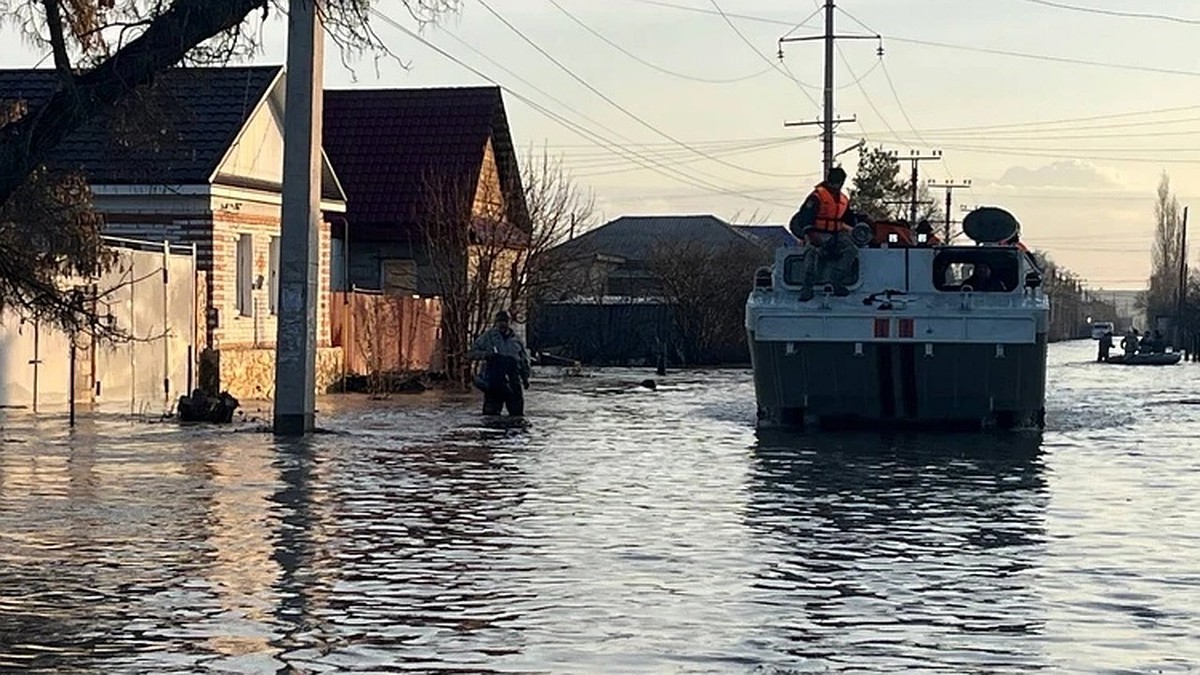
[(71, 381)]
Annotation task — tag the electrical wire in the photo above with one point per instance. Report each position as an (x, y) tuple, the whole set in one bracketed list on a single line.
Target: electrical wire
[(584, 132), (1115, 13), (947, 45), (613, 148), (786, 72), (1047, 57), (608, 99), (1025, 127), (649, 64)]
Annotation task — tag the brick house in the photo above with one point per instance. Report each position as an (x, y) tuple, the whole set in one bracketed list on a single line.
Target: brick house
[(408, 158), (197, 159)]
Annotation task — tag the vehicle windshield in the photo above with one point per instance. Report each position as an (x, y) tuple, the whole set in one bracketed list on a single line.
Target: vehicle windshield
[(981, 270)]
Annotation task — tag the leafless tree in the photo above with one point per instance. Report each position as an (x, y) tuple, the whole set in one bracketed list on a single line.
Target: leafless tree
[(708, 285), (491, 247), (1163, 288)]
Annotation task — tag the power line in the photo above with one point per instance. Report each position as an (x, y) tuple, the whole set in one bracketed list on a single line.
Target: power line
[(652, 163), (1057, 136), (1031, 127), (1047, 57), (649, 64), (1114, 12), (947, 45), (608, 99), (657, 167), (701, 10), (612, 147), (781, 70)]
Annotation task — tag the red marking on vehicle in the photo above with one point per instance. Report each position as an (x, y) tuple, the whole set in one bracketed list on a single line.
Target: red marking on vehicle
[(906, 328), (883, 328)]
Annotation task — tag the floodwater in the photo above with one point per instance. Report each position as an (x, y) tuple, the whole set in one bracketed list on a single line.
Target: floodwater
[(626, 531)]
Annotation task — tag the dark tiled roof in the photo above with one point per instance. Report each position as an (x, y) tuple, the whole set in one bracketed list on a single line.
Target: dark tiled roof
[(635, 238), (195, 114), (773, 236), (391, 145)]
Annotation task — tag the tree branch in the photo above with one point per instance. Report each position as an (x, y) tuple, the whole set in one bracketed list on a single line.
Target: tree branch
[(58, 44), (166, 41)]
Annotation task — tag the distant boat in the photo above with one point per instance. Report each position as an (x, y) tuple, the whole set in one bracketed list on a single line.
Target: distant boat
[(1167, 359)]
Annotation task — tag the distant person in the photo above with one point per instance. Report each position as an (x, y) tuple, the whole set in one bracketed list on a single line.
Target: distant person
[(1159, 344), (824, 222), (983, 280), (506, 369), (1146, 345), (1129, 344), (1106, 344)]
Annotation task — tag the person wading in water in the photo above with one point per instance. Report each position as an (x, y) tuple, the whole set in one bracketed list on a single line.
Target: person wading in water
[(505, 373)]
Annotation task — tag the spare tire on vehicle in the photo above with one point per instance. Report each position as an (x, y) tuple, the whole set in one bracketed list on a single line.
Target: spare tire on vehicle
[(991, 225)]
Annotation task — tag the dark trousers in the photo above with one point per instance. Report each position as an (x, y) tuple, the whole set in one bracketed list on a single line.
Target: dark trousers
[(502, 389), (509, 396)]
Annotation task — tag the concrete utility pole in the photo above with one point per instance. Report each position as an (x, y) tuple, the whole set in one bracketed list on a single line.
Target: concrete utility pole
[(827, 122), (1181, 295), (950, 187), (299, 246)]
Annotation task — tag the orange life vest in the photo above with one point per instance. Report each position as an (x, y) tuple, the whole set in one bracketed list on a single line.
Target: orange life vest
[(832, 210)]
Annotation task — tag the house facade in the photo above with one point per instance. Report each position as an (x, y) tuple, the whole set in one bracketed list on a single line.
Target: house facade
[(434, 194), (197, 160)]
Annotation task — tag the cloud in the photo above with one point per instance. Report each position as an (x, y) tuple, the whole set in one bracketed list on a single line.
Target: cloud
[(1070, 174)]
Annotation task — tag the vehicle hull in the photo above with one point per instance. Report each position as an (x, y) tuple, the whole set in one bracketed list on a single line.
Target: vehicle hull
[(900, 384)]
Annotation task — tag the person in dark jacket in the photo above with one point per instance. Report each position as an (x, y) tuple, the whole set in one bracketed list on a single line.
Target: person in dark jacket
[(1106, 345), (506, 369)]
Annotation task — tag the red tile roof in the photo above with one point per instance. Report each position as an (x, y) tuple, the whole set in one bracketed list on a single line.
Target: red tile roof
[(390, 145)]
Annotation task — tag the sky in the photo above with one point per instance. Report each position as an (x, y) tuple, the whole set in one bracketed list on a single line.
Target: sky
[(1066, 117)]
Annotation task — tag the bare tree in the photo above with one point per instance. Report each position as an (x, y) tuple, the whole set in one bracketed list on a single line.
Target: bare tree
[(491, 247), (376, 328), (559, 210), (707, 286), (1163, 288), (103, 51)]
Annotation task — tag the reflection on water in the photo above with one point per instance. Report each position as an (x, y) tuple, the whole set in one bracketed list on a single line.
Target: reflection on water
[(901, 552), (626, 531)]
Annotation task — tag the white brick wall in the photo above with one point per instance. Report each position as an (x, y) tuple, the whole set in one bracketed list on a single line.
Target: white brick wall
[(257, 331)]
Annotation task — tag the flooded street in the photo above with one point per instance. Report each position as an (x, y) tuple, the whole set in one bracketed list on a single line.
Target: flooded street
[(626, 531)]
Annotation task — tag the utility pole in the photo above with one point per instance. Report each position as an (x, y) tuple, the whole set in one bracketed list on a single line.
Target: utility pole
[(1181, 299), (827, 122), (296, 333), (916, 158), (950, 187)]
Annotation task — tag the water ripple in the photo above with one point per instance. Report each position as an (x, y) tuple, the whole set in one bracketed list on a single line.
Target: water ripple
[(628, 530)]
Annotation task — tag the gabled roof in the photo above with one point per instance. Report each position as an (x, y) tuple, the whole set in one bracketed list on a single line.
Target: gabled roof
[(636, 238), (773, 236), (391, 145), (196, 114)]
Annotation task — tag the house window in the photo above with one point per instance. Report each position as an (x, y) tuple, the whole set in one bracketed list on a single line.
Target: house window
[(399, 277), (273, 285), (245, 272)]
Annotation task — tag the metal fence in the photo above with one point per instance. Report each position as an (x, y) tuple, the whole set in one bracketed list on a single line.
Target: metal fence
[(149, 295)]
